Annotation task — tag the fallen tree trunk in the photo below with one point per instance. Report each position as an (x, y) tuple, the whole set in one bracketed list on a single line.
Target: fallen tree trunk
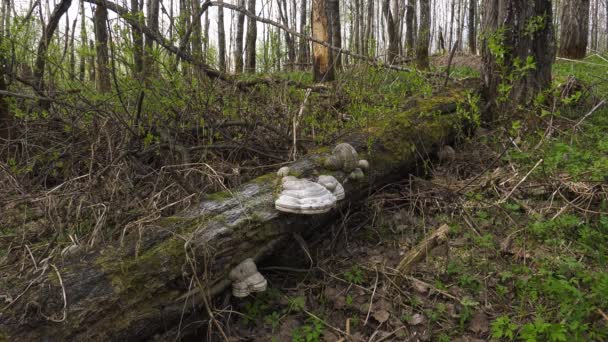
[(168, 269)]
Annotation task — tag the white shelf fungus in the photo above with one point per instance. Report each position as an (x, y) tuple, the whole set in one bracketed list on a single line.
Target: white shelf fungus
[(345, 158), (332, 184), (301, 196), (284, 171), (246, 279)]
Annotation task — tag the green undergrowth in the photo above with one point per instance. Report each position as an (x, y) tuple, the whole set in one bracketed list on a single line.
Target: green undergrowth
[(558, 288)]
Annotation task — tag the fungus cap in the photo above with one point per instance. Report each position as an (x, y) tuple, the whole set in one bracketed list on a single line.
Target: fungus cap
[(301, 196)]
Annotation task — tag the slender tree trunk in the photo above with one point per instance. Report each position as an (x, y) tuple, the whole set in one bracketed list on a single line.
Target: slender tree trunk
[(221, 38), (289, 41), (574, 35), (391, 28), (303, 48), (73, 51), (5, 115), (369, 28), (149, 63), (424, 35), (138, 44), (506, 22), (323, 70), (238, 44), (250, 49), (45, 41), (596, 24), (472, 27), (452, 12), (336, 30), (197, 31), (83, 43), (102, 82), (91, 66), (356, 5), (206, 37), (409, 27)]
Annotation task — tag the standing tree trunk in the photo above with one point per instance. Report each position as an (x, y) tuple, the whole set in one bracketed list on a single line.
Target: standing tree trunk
[(45, 41), (238, 44), (369, 28), (472, 27), (452, 12), (197, 31), (424, 35), (303, 48), (323, 70), (356, 5), (575, 29), (596, 25), (102, 82), (516, 59), (221, 38), (83, 43), (336, 30), (392, 30), (138, 44), (149, 63), (289, 40), (252, 35), (5, 116), (409, 27)]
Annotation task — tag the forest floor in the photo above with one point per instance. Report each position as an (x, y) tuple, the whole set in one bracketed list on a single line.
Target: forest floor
[(526, 202), (526, 257)]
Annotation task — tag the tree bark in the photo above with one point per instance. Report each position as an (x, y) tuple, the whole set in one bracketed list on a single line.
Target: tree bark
[(137, 289), (149, 62), (472, 26), (509, 45), (336, 30), (238, 44), (424, 35), (323, 69), (252, 36), (197, 31), (102, 69), (138, 44), (289, 39), (83, 43), (409, 27), (303, 48), (5, 115), (45, 41), (574, 35), (393, 30), (221, 38)]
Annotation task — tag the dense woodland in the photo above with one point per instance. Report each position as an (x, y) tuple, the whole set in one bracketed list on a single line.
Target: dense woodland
[(140, 142)]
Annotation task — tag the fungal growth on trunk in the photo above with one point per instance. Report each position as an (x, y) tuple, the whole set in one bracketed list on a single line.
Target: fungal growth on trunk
[(284, 171), (246, 279), (345, 158), (332, 184), (301, 196)]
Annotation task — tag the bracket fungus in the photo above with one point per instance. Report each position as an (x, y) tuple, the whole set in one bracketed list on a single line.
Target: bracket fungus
[(332, 184), (345, 158), (246, 279), (284, 171), (301, 196)]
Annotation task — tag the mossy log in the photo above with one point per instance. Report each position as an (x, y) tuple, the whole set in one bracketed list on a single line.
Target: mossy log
[(146, 284)]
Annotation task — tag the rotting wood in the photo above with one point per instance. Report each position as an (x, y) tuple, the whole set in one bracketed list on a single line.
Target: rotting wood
[(418, 252), (142, 287)]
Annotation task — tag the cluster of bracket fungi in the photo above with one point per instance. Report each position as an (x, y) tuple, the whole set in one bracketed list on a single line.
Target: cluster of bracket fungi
[(246, 279), (304, 196)]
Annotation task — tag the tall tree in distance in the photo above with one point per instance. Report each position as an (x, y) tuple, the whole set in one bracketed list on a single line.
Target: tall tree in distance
[(410, 14), (238, 43), (322, 57), (574, 35), (472, 26), (138, 45), (303, 49), (102, 82), (516, 52), (153, 8), (392, 29), (424, 35), (83, 40), (221, 37), (336, 30), (252, 35), (5, 115)]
